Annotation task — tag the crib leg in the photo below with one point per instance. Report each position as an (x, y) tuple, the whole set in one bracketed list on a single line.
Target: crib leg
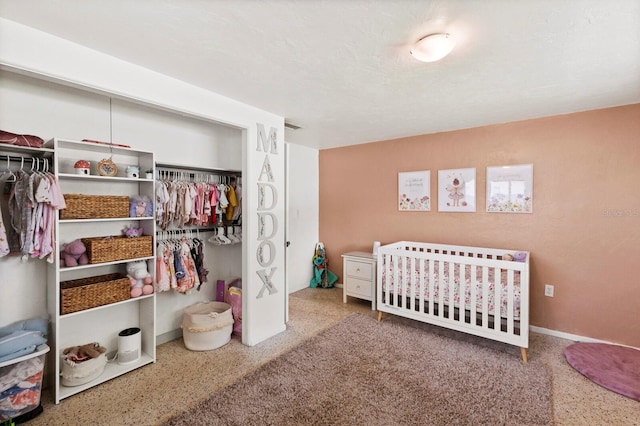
[(523, 352), (379, 316)]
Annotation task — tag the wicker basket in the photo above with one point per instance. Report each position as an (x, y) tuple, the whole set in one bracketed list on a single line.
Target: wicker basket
[(85, 293), (81, 206), (109, 249)]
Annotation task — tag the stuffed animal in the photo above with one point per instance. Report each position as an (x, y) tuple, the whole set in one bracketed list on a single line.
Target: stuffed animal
[(131, 232), (520, 256), (85, 352), (140, 206), (140, 278), (73, 254)]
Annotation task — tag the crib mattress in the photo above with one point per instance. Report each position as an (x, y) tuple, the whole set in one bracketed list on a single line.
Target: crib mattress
[(442, 284)]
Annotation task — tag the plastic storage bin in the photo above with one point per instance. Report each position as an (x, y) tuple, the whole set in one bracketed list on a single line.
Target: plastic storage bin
[(207, 325), (21, 384)]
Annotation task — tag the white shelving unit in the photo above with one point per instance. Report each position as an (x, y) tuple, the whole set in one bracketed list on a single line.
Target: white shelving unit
[(103, 323)]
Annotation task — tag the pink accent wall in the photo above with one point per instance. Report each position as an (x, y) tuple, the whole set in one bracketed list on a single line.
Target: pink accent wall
[(583, 235)]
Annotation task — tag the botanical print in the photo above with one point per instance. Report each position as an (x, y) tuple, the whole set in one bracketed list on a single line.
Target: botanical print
[(414, 191), (457, 190), (510, 189)]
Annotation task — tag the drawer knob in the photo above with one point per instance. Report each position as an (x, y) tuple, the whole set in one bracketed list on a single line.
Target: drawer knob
[(358, 270)]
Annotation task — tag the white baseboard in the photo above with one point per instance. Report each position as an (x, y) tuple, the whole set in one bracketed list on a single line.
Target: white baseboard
[(574, 337), (564, 335), (168, 336)]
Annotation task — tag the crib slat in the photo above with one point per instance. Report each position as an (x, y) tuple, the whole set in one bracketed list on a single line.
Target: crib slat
[(431, 285), (510, 308), (462, 280), (396, 271), (440, 289), (406, 276), (497, 301), (474, 294), (416, 283), (386, 284), (423, 285), (451, 289), (485, 297)]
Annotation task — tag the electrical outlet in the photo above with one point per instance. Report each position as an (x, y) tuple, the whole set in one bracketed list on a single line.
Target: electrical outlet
[(548, 290)]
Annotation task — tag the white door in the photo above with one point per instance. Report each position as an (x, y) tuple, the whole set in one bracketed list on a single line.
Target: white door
[(302, 230)]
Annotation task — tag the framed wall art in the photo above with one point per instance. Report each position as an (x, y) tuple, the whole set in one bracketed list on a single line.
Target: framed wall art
[(457, 190), (510, 189), (414, 191)]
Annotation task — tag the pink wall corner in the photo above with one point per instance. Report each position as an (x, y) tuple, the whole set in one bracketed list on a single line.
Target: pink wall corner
[(583, 234)]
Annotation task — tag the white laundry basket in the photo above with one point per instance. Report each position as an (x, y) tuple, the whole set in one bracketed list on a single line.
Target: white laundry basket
[(207, 325)]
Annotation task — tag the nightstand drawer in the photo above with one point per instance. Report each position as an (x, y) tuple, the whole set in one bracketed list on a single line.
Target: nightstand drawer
[(358, 287), (359, 270)]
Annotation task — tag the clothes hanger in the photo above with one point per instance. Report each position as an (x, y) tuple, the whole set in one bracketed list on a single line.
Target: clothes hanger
[(12, 177)]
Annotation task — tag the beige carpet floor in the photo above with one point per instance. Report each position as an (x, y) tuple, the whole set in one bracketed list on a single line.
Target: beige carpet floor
[(181, 378)]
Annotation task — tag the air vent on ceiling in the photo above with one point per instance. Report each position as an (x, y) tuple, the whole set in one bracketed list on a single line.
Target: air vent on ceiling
[(291, 126)]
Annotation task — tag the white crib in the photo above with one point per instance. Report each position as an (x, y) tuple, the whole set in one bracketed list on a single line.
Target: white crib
[(470, 289)]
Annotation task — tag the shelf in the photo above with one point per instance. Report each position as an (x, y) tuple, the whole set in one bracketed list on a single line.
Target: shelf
[(108, 219), (95, 265), (110, 305), (111, 370), (103, 178), (25, 150), (96, 147)]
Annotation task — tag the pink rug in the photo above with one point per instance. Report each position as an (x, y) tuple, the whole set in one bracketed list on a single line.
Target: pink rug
[(616, 368)]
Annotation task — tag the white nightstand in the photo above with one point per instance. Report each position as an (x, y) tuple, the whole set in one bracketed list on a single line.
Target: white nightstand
[(359, 276)]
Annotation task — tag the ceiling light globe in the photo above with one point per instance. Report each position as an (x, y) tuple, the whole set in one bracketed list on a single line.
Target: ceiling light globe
[(433, 47)]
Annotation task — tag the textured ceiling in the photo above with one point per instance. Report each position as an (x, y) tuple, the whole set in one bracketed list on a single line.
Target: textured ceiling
[(341, 69)]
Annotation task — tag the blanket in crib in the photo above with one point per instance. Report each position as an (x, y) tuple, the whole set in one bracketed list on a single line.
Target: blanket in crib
[(443, 284)]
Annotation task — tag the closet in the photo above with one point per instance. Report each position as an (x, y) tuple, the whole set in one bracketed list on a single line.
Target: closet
[(174, 124)]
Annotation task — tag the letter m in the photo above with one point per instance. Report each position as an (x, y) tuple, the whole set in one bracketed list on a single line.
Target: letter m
[(268, 144)]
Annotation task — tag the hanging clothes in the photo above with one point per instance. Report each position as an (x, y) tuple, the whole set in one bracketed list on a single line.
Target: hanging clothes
[(194, 200), (179, 264), (4, 242), (34, 197)]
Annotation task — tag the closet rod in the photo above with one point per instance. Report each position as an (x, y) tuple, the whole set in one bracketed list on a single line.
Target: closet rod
[(191, 230), (18, 157), (188, 169)]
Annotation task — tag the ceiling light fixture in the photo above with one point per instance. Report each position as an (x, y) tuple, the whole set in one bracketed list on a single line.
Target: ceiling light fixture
[(433, 47)]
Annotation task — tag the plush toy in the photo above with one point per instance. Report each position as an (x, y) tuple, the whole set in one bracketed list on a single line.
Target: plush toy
[(520, 256), (140, 206), (73, 254), (140, 278), (507, 256), (78, 354), (131, 232)]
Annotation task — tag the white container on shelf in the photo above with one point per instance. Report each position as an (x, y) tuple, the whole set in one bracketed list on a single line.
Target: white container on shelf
[(207, 325), (129, 342)]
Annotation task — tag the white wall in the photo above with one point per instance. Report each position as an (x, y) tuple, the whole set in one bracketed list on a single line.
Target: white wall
[(302, 214)]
